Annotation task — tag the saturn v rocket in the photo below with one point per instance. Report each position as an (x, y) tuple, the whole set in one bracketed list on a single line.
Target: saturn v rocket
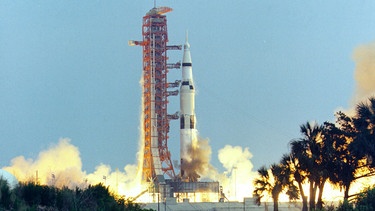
[(188, 131)]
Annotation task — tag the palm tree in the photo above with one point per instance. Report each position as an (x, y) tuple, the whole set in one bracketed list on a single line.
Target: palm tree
[(308, 156), (333, 149), (344, 163), (5, 195), (355, 145), (272, 182), (364, 123), (296, 163), (293, 191)]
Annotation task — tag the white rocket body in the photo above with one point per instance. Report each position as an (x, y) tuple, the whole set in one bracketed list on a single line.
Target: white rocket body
[(188, 131)]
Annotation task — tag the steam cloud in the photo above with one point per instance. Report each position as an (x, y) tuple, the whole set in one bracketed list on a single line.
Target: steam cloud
[(364, 57), (238, 176), (237, 179), (61, 165)]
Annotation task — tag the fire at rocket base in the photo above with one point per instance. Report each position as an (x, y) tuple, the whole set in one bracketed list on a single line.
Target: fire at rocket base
[(188, 131)]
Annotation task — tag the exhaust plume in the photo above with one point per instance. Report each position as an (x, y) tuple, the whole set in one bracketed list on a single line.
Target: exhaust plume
[(199, 156), (236, 180)]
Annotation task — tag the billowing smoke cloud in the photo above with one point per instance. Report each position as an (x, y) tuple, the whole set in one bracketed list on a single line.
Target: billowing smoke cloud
[(364, 58), (199, 159), (61, 165), (124, 182), (237, 180)]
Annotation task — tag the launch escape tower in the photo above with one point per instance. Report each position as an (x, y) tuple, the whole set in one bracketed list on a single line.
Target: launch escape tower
[(156, 157)]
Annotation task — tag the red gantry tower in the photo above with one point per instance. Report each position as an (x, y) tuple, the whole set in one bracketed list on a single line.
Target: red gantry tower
[(156, 156)]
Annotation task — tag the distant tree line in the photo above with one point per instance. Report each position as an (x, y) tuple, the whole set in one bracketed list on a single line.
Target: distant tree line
[(339, 153), (30, 196)]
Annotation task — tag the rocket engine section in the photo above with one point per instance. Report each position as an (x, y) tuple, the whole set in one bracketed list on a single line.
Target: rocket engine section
[(188, 131)]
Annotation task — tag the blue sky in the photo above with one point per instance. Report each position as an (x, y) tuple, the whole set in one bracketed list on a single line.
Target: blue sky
[(261, 69)]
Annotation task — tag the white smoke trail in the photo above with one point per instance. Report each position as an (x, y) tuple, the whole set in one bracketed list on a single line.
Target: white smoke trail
[(141, 136)]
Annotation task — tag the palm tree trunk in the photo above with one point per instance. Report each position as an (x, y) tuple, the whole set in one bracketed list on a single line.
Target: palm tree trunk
[(320, 200), (346, 191), (275, 204), (304, 198), (312, 195), (304, 203)]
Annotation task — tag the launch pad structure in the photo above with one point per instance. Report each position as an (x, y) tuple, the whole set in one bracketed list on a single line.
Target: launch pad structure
[(156, 156), (156, 90)]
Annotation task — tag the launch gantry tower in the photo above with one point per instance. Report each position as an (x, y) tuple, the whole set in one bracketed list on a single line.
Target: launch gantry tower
[(156, 156)]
